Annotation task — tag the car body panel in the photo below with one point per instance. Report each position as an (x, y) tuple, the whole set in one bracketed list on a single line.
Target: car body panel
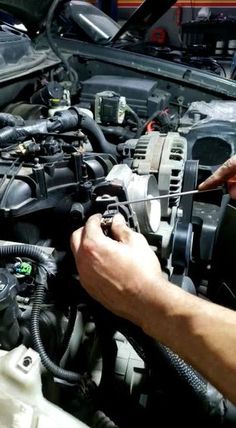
[(153, 66)]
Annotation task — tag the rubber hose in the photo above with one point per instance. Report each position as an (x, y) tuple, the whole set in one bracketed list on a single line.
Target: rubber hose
[(96, 136), (183, 370), (37, 341), (7, 119), (11, 135), (156, 355), (118, 132), (209, 398), (60, 122), (187, 374)]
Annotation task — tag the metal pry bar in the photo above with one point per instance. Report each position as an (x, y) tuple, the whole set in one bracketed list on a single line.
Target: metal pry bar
[(154, 198)]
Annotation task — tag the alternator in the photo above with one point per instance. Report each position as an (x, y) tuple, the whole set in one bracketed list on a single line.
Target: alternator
[(157, 169), (164, 156)]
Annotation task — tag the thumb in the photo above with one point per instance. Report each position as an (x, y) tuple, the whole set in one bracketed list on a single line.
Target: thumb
[(76, 239), (232, 190), (221, 175), (120, 231)]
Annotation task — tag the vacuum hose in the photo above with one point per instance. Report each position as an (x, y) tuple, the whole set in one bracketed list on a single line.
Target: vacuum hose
[(180, 375)]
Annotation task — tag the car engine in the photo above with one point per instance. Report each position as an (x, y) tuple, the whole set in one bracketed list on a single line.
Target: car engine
[(66, 154)]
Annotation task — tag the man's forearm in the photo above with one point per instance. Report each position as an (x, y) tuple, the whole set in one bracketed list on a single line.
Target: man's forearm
[(199, 331), (125, 276)]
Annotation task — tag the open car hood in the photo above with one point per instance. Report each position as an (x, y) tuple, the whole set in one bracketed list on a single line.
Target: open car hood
[(33, 12), (30, 12), (144, 17)]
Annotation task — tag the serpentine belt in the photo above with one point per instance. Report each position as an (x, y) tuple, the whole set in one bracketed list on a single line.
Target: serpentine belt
[(182, 238)]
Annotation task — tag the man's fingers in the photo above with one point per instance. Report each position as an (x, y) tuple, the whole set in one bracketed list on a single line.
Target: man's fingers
[(76, 239), (90, 233), (93, 229), (221, 175), (232, 191), (120, 231)]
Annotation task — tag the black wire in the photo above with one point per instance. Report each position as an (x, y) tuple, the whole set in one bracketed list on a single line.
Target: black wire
[(222, 286), (70, 71), (162, 116), (137, 120), (221, 67)]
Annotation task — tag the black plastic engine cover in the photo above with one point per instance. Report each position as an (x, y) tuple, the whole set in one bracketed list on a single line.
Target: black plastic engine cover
[(142, 95), (28, 188)]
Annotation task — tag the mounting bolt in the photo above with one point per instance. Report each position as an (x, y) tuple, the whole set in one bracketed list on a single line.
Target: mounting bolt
[(27, 361)]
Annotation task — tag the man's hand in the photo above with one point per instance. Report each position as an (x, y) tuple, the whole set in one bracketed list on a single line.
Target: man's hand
[(221, 176), (125, 276), (121, 273)]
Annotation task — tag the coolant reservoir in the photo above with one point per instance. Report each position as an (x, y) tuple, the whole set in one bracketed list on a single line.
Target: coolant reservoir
[(22, 404)]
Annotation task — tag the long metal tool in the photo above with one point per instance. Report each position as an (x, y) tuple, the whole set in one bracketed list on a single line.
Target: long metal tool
[(154, 198)]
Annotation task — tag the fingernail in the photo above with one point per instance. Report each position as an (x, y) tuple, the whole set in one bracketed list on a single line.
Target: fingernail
[(119, 219), (201, 185), (205, 183)]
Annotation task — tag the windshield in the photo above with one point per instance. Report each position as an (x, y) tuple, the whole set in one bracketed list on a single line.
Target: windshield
[(98, 26)]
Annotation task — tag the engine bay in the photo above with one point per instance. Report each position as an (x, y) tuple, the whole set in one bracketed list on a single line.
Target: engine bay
[(67, 152)]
